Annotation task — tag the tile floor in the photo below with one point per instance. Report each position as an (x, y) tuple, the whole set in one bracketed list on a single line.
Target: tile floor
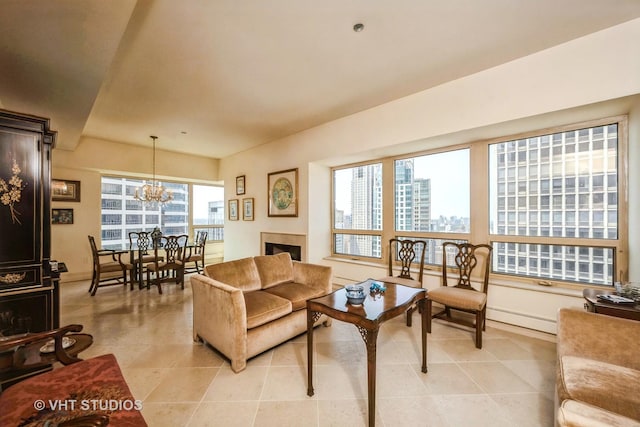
[(510, 382)]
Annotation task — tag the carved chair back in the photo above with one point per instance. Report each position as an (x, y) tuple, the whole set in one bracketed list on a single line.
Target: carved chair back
[(406, 252), (465, 261)]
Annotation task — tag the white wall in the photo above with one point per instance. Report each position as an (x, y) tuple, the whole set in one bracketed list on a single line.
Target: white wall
[(591, 77)]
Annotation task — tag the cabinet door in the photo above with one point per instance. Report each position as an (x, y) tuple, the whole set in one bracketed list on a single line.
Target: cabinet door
[(20, 199)]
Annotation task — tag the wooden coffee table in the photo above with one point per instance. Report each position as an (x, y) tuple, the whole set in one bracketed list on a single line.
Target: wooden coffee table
[(376, 309)]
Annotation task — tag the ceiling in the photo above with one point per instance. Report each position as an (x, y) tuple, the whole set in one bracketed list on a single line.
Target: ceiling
[(215, 77)]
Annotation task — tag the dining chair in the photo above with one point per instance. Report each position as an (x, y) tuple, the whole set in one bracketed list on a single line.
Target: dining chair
[(195, 253), (141, 253), (404, 253), (168, 258), (463, 296), (101, 270)]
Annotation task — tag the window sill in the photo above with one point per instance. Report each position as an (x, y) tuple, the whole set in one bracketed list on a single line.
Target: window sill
[(572, 290)]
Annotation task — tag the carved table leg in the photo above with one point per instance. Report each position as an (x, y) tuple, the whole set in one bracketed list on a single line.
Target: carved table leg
[(370, 337), (312, 317)]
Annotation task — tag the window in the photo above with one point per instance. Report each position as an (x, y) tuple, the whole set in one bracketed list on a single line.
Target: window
[(121, 213), (574, 224), (208, 211), (357, 213), (424, 202), (549, 202)]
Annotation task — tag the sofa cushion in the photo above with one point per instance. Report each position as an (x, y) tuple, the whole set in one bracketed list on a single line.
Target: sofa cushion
[(611, 387), (579, 414), (297, 293), (263, 307), (274, 269), (241, 274)]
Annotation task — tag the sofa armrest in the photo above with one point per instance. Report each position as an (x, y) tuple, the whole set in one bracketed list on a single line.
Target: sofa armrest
[(594, 336), (220, 318), (314, 275)]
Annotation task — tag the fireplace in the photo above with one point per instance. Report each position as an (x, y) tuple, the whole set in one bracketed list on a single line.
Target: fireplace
[(275, 243), (277, 248)]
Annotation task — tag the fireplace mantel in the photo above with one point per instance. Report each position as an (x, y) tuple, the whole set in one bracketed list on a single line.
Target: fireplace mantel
[(285, 239)]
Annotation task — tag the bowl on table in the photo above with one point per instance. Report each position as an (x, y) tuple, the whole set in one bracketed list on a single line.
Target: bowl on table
[(355, 294)]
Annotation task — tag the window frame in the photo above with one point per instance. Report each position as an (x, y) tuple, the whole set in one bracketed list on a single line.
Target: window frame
[(358, 232), (619, 245), (213, 229), (480, 203)]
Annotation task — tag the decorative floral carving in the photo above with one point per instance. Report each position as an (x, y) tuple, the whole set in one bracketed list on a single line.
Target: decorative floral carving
[(11, 192)]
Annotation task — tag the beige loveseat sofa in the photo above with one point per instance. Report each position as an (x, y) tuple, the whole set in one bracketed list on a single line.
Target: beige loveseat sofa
[(598, 371), (250, 305)]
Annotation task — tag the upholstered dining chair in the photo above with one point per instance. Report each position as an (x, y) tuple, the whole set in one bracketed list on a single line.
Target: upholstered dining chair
[(463, 296), (404, 253), (101, 269), (141, 250), (195, 253), (168, 258)]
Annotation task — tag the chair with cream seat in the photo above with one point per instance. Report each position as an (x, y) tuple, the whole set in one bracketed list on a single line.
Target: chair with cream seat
[(112, 272), (463, 296)]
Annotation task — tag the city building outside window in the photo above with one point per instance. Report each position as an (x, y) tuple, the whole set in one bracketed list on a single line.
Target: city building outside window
[(357, 213), (432, 200), (562, 219), (122, 214)]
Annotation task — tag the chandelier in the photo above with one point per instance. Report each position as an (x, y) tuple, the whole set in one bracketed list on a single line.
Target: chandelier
[(154, 192)]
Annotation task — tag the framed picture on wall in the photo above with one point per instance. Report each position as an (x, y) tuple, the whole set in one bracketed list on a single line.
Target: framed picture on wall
[(283, 193), (63, 190), (240, 184), (61, 216), (247, 209), (233, 210)]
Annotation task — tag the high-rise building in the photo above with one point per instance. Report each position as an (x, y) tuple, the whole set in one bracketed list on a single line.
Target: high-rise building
[(366, 210), (560, 185), (122, 213)]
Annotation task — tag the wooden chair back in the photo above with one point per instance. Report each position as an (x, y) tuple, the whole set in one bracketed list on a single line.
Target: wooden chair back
[(466, 259), (405, 252)]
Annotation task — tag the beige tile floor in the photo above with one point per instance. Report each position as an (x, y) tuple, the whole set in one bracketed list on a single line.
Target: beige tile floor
[(510, 382)]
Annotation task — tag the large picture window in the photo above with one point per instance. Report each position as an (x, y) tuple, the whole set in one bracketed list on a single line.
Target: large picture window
[(554, 204), (122, 214), (432, 196), (208, 211), (357, 214), (551, 203)]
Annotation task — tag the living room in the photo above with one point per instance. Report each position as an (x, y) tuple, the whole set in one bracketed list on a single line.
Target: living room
[(587, 77)]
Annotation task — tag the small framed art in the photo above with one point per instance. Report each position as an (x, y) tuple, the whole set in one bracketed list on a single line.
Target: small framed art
[(283, 193), (63, 190), (240, 185), (61, 216), (233, 210), (247, 209)]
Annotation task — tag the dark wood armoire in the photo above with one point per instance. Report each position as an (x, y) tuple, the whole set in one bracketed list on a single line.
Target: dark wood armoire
[(28, 292)]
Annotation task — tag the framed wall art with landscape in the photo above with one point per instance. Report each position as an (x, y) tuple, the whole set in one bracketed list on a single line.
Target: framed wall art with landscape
[(283, 193)]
